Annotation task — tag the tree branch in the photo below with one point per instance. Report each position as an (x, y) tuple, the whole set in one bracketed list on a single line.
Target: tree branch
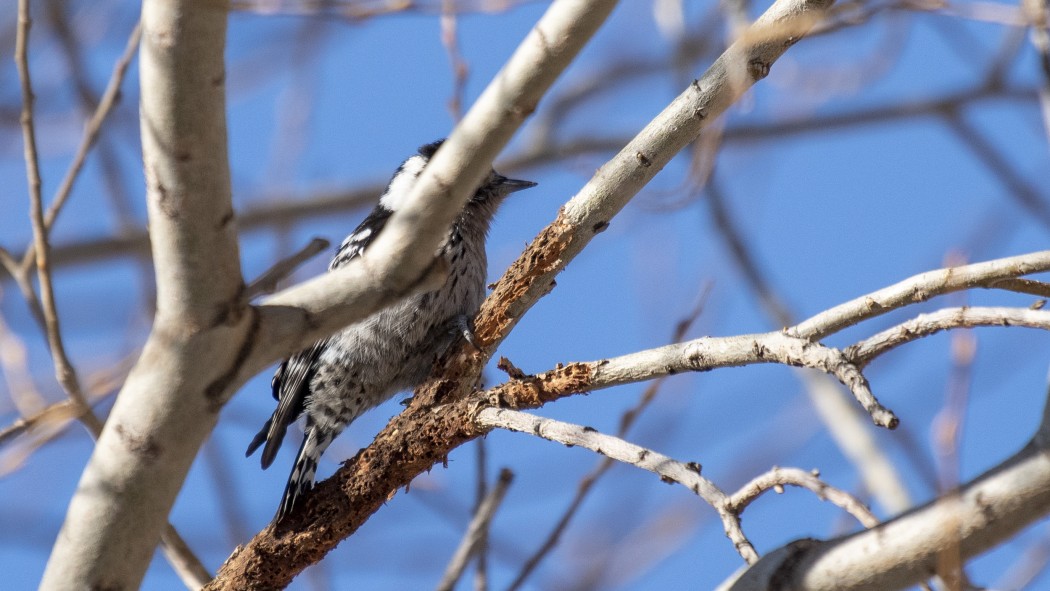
[(924, 325), (166, 408), (394, 263), (920, 288), (476, 531), (668, 469), (905, 550), (110, 98)]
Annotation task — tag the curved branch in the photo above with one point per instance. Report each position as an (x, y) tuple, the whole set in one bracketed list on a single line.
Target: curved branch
[(668, 469), (776, 478), (924, 325), (920, 288)]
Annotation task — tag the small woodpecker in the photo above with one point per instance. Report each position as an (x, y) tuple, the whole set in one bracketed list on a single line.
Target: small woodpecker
[(337, 379)]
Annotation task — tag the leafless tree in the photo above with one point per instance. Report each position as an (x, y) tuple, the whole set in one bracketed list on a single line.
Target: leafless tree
[(214, 327)]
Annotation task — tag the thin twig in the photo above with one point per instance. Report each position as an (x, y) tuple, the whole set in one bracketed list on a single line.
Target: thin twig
[(190, 570), (64, 371), (60, 411), (267, 282), (460, 70), (476, 531), (103, 384), (776, 478), (668, 469), (109, 99), (481, 565), (924, 325)]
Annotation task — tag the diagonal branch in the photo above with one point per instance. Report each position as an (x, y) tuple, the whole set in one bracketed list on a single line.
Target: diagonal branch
[(403, 252), (590, 211), (476, 531), (919, 288), (688, 474)]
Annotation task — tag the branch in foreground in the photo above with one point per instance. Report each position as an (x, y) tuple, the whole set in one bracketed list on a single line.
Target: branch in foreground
[(905, 550), (405, 247)]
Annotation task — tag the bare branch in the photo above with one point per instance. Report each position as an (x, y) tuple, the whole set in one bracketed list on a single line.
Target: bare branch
[(920, 288), (267, 282), (64, 371), (776, 478), (590, 211), (707, 353), (668, 469), (843, 421), (924, 325), (476, 531), (395, 261), (91, 131), (904, 551)]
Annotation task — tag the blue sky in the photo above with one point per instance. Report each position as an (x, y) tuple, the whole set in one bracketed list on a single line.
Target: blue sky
[(317, 103)]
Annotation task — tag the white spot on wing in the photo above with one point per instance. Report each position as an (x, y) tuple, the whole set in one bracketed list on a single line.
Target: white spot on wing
[(357, 236), (401, 184)]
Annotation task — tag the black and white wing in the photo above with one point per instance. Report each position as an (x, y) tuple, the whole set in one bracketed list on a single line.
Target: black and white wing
[(291, 381), (361, 237), (291, 385)]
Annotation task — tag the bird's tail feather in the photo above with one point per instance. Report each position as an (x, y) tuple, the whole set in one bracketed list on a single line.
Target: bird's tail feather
[(301, 479)]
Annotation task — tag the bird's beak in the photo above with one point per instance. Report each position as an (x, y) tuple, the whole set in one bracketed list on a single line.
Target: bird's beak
[(512, 185)]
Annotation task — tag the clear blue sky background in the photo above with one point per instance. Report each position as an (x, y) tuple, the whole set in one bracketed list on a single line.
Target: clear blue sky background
[(318, 103)]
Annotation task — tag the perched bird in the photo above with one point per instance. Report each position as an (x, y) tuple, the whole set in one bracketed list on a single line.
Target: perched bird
[(338, 378)]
